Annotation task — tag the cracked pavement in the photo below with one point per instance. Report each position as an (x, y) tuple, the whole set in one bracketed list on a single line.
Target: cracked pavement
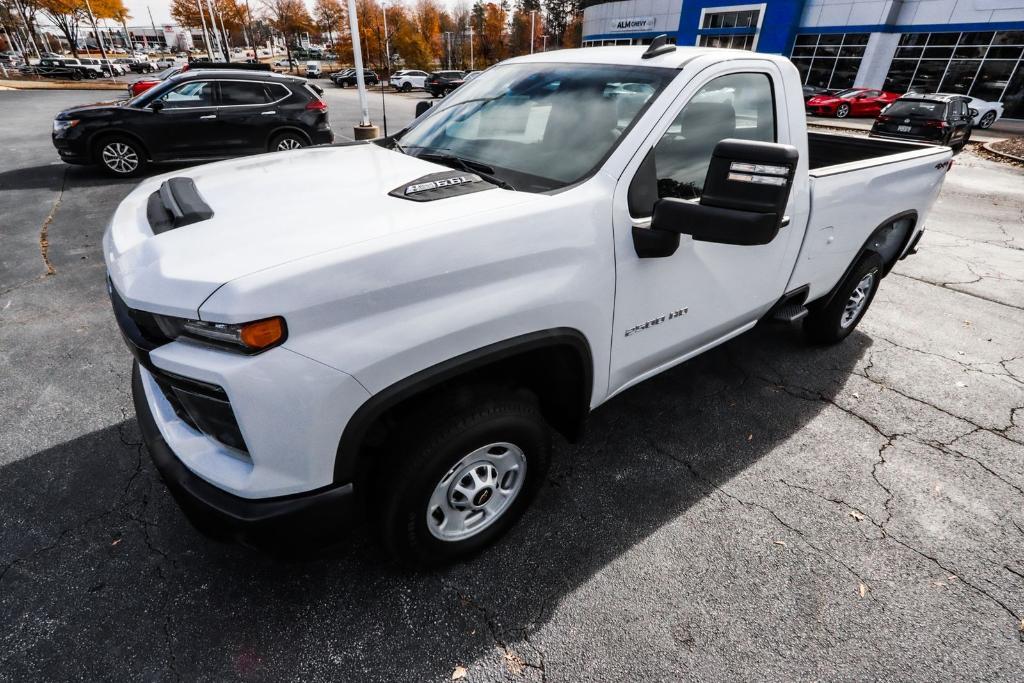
[(766, 511)]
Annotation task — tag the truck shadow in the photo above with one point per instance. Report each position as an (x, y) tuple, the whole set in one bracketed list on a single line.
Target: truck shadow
[(94, 547), (55, 176)]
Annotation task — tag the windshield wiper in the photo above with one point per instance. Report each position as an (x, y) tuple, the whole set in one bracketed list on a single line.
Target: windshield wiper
[(479, 168)]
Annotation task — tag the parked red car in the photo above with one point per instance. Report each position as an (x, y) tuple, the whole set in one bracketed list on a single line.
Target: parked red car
[(852, 102), (143, 84)]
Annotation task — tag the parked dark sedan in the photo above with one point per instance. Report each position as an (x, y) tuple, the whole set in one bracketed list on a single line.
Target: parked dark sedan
[(937, 119), (195, 115), (440, 83), (347, 78)]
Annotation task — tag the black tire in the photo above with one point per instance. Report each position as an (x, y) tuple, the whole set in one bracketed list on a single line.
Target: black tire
[(842, 111), (828, 323), (288, 140), (407, 87), (440, 445), (76, 75), (132, 156)]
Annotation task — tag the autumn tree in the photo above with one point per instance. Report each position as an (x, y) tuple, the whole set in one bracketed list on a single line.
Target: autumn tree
[(68, 16), (428, 20), (330, 16), (233, 13), (289, 18)]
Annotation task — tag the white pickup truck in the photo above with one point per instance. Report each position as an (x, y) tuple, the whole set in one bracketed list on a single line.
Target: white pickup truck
[(565, 226)]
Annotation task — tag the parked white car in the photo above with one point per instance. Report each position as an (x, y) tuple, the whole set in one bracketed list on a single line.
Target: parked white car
[(523, 252), (408, 79), (166, 62), (985, 113)]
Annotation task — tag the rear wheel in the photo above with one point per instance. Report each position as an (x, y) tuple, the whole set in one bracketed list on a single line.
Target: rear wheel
[(287, 141), (842, 111), (456, 483), (121, 156), (407, 87), (834, 321), (76, 75), (987, 120)]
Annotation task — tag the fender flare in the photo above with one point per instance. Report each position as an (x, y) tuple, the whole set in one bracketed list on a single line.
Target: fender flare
[(352, 438), (286, 129), (99, 135), (866, 247)]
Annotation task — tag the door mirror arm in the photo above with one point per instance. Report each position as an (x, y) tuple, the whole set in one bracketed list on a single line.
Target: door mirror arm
[(157, 106)]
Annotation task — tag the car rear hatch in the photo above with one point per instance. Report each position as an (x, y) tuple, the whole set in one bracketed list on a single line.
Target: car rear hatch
[(913, 119)]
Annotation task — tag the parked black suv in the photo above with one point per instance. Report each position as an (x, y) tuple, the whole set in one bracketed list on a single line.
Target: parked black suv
[(938, 119), (70, 69), (195, 115), (347, 78), (440, 83)]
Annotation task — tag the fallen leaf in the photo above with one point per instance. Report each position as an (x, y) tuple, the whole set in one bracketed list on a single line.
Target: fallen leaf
[(856, 515), (460, 672), (116, 541), (961, 384), (959, 353), (856, 395), (782, 543), (863, 589), (750, 437), (513, 663), (952, 577)]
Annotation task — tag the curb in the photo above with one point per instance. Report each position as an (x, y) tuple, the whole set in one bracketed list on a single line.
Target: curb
[(1005, 155), (59, 85)]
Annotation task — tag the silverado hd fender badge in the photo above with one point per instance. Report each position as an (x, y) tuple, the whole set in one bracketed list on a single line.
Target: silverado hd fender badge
[(441, 186), (443, 182), (657, 321)]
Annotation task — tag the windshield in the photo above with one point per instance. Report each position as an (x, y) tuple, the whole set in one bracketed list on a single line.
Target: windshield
[(917, 109), (848, 93), (538, 126)]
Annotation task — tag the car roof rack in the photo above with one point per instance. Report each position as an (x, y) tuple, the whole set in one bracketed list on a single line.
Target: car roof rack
[(659, 46)]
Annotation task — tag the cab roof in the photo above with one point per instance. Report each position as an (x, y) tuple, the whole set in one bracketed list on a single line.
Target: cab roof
[(632, 55)]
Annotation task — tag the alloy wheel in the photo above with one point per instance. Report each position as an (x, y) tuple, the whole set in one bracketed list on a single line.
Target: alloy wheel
[(288, 143), (858, 298), (476, 491), (120, 157), (842, 111), (987, 120)]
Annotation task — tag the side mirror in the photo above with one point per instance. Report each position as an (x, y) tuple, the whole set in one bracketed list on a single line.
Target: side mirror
[(157, 106), (744, 199), (422, 106), (974, 112)]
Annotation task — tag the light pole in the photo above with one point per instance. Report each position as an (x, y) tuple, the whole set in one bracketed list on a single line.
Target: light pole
[(206, 36), (470, 22), (533, 32), (448, 44), (365, 130), (545, 48), (224, 33), (96, 30)]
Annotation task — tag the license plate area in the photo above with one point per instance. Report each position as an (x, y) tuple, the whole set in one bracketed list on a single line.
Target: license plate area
[(903, 129)]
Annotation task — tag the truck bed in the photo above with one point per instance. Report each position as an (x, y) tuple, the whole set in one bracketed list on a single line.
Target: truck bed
[(826, 150)]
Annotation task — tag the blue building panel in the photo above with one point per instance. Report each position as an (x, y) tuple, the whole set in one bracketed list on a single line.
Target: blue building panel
[(778, 24)]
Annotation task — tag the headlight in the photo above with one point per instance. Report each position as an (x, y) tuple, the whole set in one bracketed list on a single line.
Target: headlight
[(60, 126), (249, 338)]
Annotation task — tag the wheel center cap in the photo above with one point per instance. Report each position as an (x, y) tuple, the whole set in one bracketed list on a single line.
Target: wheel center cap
[(482, 497)]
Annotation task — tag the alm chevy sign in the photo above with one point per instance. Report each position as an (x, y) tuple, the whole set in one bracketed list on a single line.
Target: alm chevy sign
[(631, 24)]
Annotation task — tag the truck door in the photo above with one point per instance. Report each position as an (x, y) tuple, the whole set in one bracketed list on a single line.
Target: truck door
[(672, 307)]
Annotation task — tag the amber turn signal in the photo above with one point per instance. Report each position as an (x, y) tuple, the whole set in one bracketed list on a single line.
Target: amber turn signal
[(262, 333)]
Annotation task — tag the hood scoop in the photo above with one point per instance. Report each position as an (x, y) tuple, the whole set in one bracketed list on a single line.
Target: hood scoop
[(441, 186), (176, 204)]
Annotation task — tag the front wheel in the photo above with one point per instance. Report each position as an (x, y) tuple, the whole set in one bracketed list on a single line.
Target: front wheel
[(987, 120), (842, 111), (456, 483), (121, 156), (833, 322), (407, 87)]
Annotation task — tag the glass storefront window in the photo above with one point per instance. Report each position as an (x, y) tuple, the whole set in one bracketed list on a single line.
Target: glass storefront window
[(960, 75), (984, 64), (836, 56)]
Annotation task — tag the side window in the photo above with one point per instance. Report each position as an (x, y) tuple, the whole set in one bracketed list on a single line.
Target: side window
[(241, 93), (734, 106), (189, 95)]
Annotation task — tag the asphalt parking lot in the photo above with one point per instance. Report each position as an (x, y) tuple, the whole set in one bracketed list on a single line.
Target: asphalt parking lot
[(765, 512)]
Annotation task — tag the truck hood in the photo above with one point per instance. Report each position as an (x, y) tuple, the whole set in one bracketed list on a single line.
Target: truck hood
[(269, 210)]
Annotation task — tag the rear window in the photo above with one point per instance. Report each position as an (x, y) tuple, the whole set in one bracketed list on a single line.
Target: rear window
[(921, 109)]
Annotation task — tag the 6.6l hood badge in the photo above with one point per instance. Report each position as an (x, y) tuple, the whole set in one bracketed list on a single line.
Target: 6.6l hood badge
[(441, 186)]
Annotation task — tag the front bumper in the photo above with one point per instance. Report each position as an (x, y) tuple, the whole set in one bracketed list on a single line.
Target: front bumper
[(261, 522)]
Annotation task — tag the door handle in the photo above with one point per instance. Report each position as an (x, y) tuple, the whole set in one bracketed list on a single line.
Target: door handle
[(267, 113), (208, 116)]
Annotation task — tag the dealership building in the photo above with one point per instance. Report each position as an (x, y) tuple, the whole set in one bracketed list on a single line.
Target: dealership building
[(964, 46)]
